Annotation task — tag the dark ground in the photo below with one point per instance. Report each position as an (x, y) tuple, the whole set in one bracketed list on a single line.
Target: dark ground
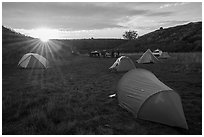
[(71, 97)]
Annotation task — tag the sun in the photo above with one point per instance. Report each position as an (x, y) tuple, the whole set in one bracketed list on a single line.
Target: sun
[(44, 39), (44, 34)]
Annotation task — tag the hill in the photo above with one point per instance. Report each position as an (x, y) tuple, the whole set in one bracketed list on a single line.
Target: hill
[(10, 36), (182, 38), (15, 45)]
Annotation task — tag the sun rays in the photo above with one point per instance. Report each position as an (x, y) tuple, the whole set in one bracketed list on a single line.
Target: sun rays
[(47, 49), (43, 43), (51, 50)]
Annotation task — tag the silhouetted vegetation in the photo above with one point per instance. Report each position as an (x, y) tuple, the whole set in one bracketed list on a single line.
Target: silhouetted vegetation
[(130, 35)]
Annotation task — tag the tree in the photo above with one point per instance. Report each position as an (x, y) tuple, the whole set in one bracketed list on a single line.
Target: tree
[(131, 34)]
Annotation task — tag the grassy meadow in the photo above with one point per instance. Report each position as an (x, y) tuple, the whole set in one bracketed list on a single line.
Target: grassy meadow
[(72, 97)]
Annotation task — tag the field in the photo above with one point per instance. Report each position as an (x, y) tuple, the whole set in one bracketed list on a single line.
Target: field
[(72, 97)]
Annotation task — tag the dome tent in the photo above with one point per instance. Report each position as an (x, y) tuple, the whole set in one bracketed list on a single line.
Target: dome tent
[(147, 57), (123, 63), (33, 60), (140, 92)]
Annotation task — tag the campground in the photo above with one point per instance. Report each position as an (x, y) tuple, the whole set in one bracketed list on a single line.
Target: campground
[(72, 97)]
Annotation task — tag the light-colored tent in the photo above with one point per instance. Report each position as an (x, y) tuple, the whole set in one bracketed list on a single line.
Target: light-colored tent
[(148, 57), (164, 55), (123, 63), (140, 92), (33, 60), (157, 52)]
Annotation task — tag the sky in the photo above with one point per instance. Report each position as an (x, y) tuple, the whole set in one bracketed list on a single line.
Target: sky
[(69, 20)]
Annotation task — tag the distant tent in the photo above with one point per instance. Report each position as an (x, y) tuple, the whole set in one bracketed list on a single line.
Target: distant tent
[(75, 53), (157, 52), (33, 60), (140, 92), (164, 55), (123, 63), (147, 57)]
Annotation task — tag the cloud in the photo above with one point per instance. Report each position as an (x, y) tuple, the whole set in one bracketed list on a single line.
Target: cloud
[(173, 22), (172, 4), (73, 16), (79, 34), (162, 14)]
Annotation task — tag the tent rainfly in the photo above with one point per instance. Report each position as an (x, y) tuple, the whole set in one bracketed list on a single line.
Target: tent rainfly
[(164, 55), (147, 57), (140, 92), (33, 60), (123, 63)]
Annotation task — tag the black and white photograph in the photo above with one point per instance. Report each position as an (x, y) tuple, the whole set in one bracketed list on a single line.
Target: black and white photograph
[(101, 68)]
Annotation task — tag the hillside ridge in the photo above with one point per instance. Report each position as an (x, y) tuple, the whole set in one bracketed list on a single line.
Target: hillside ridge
[(186, 38), (180, 38)]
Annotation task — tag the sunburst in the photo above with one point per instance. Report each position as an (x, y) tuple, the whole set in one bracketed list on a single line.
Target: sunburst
[(44, 34)]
